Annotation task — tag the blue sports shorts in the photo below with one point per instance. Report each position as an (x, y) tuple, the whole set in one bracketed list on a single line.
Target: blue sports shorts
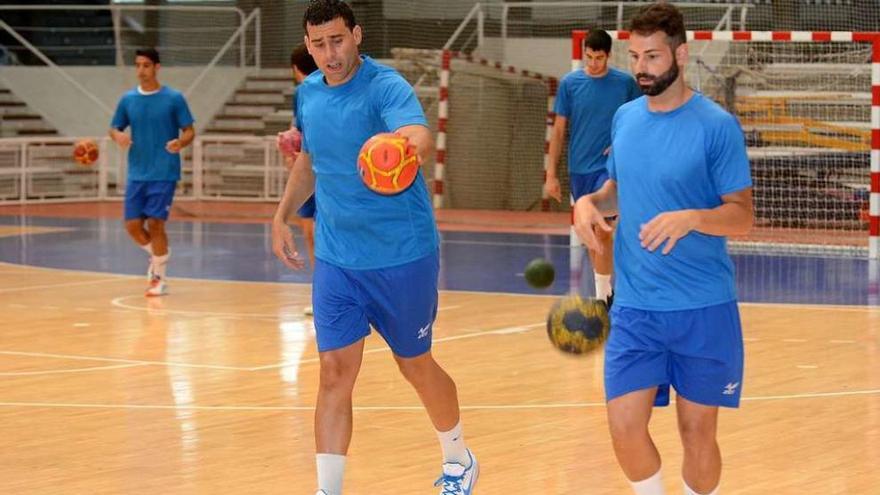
[(699, 352), (400, 302)]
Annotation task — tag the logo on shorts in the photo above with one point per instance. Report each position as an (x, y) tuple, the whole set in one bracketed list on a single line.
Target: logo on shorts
[(424, 331), (730, 388)]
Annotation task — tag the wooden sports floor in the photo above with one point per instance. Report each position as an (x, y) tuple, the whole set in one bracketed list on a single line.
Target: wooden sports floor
[(210, 390)]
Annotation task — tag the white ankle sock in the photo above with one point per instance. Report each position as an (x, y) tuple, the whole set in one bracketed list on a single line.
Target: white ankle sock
[(690, 491), (454, 448), (650, 486), (148, 247), (603, 286), (331, 470), (160, 264)]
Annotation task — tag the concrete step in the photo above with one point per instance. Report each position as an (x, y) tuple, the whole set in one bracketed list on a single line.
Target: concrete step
[(26, 124), (232, 131), (237, 123), (37, 132), (279, 85), (238, 117), (284, 116), (276, 73), (17, 112), (259, 98), (247, 109), (8, 97)]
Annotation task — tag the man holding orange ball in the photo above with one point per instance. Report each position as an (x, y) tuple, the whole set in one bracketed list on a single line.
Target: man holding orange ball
[(377, 254), (161, 125)]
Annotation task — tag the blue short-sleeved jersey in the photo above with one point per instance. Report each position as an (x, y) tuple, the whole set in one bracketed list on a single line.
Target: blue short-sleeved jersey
[(589, 104), (155, 119), (355, 227), (667, 161)]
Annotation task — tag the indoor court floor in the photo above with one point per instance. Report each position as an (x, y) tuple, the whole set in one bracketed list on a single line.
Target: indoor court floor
[(210, 390)]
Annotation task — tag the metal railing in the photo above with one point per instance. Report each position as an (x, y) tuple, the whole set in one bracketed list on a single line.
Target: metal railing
[(215, 167), (730, 16), (725, 21)]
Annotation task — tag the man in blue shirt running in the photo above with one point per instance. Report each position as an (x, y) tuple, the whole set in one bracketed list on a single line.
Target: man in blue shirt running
[(680, 181), (377, 258), (588, 98), (161, 125)]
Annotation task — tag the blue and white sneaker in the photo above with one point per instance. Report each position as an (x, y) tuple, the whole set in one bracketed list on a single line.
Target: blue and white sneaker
[(457, 479)]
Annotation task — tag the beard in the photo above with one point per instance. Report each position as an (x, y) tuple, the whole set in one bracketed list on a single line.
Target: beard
[(660, 83)]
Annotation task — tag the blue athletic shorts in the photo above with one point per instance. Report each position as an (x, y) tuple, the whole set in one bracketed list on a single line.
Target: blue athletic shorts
[(149, 199), (583, 184), (699, 352), (307, 210), (400, 302)]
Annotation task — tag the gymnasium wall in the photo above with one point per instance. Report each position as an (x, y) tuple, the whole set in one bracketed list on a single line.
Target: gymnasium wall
[(74, 114)]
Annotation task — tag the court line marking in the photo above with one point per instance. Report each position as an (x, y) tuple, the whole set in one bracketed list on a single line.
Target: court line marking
[(134, 362), (65, 284), (72, 370), (563, 241), (416, 408), (118, 302), (138, 362), (810, 306), (499, 331)]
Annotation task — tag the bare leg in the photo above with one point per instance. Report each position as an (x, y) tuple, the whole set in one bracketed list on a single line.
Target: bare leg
[(135, 229), (698, 425), (333, 414), (158, 237), (434, 387), (628, 417)]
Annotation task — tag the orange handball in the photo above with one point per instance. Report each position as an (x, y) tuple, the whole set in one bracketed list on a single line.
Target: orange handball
[(85, 152), (388, 164)]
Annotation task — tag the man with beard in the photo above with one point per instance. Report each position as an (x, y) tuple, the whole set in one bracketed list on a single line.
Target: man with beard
[(680, 181), (588, 98)]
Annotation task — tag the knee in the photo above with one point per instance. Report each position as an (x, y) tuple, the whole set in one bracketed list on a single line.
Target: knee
[(134, 226), (337, 375), (155, 226), (416, 370), (626, 428), (696, 435)]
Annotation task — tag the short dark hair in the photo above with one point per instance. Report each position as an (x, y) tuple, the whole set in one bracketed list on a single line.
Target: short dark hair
[(321, 11), (150, 53), (302, 60), (660, 17), (598, 40)]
